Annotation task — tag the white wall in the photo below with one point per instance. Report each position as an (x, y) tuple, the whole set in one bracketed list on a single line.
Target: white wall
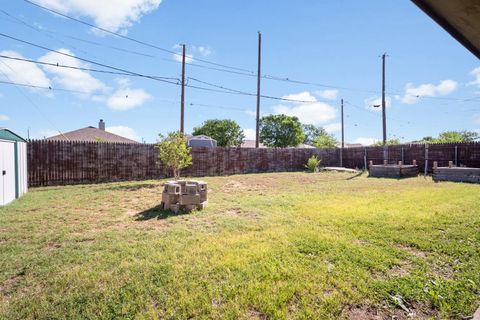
[(7, 172), (22, 168)]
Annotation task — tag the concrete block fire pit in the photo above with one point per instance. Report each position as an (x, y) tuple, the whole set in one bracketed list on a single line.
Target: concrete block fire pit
[(184, 195)]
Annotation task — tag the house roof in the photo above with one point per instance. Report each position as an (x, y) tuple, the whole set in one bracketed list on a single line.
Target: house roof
[(7, 134), (250, 144), (460, 18), (91, 134)]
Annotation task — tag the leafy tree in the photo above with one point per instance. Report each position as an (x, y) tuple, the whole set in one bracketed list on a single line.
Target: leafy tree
[(227, 132), (174, 153), (281, 131), (311, 132), (456, 136), (325, 140), (389, 142)]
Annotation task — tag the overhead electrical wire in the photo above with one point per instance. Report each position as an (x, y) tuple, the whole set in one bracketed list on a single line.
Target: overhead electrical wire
[(244, 71), (30, 100), (129, 38), (42, 87), (84, 68)]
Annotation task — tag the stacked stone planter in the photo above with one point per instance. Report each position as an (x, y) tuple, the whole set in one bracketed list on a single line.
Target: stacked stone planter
[(184, 195)]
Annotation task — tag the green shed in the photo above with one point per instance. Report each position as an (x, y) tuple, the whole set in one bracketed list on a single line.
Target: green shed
[(13, 166)]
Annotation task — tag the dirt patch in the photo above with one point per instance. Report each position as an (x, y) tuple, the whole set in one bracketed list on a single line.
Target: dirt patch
[(255, 314), (50, 246), (411, 250), (416, 311), (8, 286)]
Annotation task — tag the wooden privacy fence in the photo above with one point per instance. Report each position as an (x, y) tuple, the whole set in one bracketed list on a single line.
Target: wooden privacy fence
[(60, 162)]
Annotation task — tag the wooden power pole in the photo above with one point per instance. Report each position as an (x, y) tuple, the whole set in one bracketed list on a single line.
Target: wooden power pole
[(257, 133), (343, 138), (384, 115), (182, 103)]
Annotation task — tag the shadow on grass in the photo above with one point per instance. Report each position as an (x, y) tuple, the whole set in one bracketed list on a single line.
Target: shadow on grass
[(157, 213), (134, 187), (356, 176)]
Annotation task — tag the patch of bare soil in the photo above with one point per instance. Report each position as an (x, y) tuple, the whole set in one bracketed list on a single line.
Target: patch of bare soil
[(255, 314), (415, 311), (413, 251), (238, 212), (237, 186), (7, 286)]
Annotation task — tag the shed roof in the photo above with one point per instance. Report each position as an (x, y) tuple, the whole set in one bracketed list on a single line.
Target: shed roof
[(7, 134)]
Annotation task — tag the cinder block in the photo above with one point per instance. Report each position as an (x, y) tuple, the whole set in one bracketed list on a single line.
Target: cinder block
[(191, 189), (202, 205), (172, 188), (186, 199)]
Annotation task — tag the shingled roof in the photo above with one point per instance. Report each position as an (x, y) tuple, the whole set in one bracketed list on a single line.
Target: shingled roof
[(91, 134)]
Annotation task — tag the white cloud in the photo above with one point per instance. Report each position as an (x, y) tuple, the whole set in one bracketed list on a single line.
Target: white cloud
[(251, 113), (365, 141), (124, 131), (250, 134), (476, 118), (412, 93), (46, 134), (4, 117), (476, 73), (22, 72), (71, 79), (333, 127), (377, 101), (112, 15), (190, 53), (126, 98), (309, 112), (330, 94)]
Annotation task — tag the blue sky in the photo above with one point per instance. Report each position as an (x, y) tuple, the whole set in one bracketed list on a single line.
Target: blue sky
[(433, 83)]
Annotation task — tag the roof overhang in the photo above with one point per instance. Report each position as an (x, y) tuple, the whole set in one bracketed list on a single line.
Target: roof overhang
[(460, 18)]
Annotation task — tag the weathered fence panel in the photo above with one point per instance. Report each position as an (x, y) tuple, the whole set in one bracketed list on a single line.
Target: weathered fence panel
[(61, 162)]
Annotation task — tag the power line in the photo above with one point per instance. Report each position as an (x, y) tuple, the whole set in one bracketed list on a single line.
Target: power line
[(83, 59), (30, 100), (129, 38), (244, 72), (83, 68), (41, 87)]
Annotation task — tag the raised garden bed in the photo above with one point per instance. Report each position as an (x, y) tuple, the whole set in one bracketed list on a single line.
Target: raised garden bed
[(395, 171), (456, 174)]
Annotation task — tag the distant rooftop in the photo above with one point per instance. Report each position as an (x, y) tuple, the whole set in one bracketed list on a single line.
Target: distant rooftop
[(91, 134)]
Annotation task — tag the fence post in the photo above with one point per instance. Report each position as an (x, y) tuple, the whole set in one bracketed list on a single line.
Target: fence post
[(365, 159), (456, 156), (426, 160), (403, 155)]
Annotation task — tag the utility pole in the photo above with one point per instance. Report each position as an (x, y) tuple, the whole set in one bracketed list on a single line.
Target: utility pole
[(384, 116), (182, 103), (257, 135), (343, 138)]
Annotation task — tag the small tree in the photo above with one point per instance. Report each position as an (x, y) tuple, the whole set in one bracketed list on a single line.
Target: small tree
[(281, 131), (390, 142), (324, 139), (227, 132), (174, 153), (312, 164)]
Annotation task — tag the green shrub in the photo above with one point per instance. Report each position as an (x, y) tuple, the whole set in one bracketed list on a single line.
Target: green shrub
[(313, 164)]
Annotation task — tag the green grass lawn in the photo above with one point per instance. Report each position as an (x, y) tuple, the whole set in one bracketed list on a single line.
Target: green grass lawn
[(279, 246)]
